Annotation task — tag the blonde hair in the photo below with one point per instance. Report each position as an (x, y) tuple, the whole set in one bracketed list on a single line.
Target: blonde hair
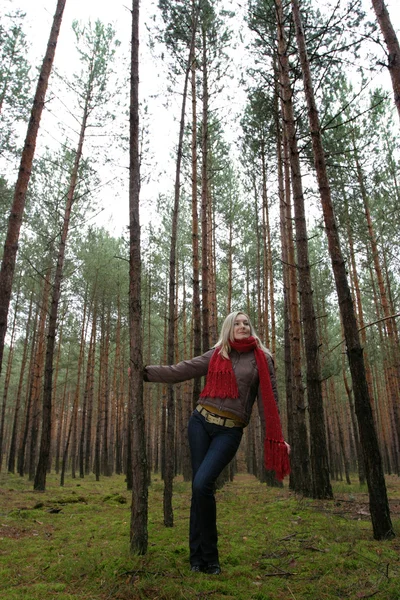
[(227, 334)]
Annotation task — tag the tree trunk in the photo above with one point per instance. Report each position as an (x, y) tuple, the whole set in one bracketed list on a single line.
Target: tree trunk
[(204, 201), (393, 47), (378, 501), (136, 425), (8, 377), (170, 432), (321, 487), (14, 434), (195, 229), (300, 479), (40, 478), (105, 467), (17, 209)]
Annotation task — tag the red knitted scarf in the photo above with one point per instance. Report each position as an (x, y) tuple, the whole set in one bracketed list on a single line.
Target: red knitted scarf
[(221, 383)]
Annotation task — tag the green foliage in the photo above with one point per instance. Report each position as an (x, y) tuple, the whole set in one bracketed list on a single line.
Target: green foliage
[(15, 82)]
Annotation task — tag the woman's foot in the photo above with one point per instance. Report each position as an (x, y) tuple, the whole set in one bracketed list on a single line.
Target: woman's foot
[(197, 568), (213, 569)]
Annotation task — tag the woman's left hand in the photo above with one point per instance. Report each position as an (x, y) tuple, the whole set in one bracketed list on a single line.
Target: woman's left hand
[(288, 448)]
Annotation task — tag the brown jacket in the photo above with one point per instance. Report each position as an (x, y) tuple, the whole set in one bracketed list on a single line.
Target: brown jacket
[(246, 373)]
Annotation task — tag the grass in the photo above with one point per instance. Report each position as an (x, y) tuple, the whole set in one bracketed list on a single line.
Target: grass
[(73, 542)]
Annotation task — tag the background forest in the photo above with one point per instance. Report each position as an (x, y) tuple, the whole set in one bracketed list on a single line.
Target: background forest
[(231, 213)]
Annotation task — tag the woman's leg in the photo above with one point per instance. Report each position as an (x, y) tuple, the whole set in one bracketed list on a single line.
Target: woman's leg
[(212, 448), (199, 442)]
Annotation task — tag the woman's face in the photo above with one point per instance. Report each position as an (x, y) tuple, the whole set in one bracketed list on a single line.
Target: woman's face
[(241, 327)]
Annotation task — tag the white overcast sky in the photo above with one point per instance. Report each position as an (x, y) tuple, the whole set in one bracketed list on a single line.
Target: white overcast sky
[(39, 15)]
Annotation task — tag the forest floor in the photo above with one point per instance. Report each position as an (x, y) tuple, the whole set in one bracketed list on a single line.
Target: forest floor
[(73, 542)]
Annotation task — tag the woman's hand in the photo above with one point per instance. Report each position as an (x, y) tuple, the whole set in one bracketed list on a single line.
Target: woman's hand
[(288, 448)]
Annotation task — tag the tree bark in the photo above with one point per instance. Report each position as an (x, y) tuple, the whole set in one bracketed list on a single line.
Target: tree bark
[(170, 432), (136, 425), (300, 478), (8, 377), (393, 47), (14, 434), (18, 206), (195, 229), (321, 487), (205, 271), (378, 501), (40, 477)]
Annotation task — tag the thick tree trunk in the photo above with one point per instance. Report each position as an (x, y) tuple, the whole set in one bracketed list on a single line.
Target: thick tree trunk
[(300, 478), (17, 209), (393, 47), (136, 424), (379, 506), (321, 487)]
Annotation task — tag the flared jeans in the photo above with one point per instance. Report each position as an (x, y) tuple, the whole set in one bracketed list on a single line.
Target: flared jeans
[(212, 447)]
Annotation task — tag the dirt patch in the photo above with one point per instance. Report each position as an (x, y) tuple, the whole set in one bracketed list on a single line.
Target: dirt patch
[(355, 509), (15, 533)]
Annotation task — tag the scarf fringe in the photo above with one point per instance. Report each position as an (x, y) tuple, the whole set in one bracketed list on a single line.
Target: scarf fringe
[(276, 458)]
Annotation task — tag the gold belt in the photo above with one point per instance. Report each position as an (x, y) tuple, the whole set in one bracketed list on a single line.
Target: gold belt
[(216, 419)]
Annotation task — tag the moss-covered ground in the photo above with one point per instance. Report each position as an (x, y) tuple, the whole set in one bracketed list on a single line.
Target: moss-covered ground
[(73, 542)]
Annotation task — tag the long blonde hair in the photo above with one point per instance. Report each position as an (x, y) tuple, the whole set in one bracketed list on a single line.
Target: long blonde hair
[(227, 334)]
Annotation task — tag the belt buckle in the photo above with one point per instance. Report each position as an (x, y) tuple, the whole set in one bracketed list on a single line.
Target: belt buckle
[(213, 420)]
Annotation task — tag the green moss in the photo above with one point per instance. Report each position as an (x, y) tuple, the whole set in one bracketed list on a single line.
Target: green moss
[(273, 545)]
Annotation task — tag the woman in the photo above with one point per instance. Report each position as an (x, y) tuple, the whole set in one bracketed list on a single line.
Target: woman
[(239, 369)]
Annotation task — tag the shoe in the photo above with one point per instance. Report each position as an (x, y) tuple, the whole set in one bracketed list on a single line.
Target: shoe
[(197, 569), (213, 569)]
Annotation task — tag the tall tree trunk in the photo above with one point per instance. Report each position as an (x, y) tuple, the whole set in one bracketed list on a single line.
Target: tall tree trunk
[(81, 358), (8, 377), (18, 206), (23, 438), (62, 418), (264, 205), (391, 343), (285, 264), (321, 487), (195, 227), (300, 476), (170, 432), (85, 403), (90, 393), (393, 47), (378, 501), (14, 434), (136, 425), (37, 381), (204, 200), (40, 477), (106, 399)]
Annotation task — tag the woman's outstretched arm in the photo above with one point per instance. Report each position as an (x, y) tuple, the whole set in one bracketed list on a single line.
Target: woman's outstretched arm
[(187, 369)]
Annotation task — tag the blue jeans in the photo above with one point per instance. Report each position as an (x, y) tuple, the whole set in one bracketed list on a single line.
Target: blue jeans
[(212, 447)]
